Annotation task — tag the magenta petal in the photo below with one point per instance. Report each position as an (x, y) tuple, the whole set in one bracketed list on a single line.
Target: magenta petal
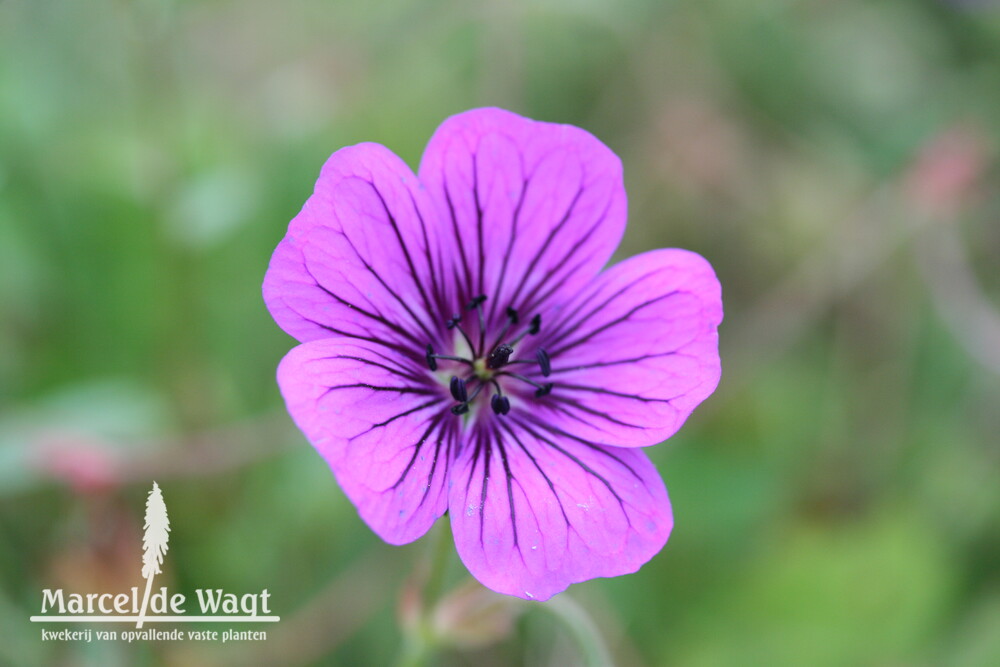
[(533, 209), (360, 259), (384, 430), (533, 514), (635, 352)]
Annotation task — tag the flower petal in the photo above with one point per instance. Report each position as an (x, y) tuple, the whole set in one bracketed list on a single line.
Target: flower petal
[(360, 259), (634, 353), (385, 431), (533, 514), (533, 209)]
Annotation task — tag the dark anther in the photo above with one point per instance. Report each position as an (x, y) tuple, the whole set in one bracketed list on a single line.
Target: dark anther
[(544, 390), (536, 325), (455, 319), (543, 361), (512, 314), (476, 301), (429, 356), (460, 409), (500, 404), (458, 390), (500, 356)]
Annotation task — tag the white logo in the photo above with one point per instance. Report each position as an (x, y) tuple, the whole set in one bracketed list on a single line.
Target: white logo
[(154, 543), (215, 605)]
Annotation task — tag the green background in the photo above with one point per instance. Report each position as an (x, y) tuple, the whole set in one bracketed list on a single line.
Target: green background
[(836, 501)]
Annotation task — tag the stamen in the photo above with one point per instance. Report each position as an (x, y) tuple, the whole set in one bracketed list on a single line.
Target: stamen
[(460, 393), (500, 404), (533, 328), (511, 320), (543, 361), (499, 356), (456, 323), (452, 358), (476, 302), (458, 390), (475, 392), (544, 388)]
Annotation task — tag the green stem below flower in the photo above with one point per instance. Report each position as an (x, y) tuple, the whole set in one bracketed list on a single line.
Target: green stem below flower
[(420, 642), (581, 628)]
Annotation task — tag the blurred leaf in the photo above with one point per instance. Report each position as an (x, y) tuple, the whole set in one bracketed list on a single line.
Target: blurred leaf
[(866, 592)]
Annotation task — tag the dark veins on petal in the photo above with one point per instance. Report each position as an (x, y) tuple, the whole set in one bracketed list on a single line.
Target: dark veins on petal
[(445, 430), (499, 435)]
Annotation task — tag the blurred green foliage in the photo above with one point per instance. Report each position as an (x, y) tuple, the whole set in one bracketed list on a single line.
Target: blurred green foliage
[(836, 501)]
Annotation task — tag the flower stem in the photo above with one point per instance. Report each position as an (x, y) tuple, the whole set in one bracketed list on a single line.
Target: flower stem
[(581, 628), (440, 558), (419, 643)]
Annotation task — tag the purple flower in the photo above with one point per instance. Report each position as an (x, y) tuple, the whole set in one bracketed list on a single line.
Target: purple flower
[(463, 351)]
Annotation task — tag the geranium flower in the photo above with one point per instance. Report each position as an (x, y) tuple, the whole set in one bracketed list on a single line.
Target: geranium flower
[(462, 350)]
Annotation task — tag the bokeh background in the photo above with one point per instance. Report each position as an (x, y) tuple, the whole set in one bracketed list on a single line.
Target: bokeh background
[(837, 500)]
